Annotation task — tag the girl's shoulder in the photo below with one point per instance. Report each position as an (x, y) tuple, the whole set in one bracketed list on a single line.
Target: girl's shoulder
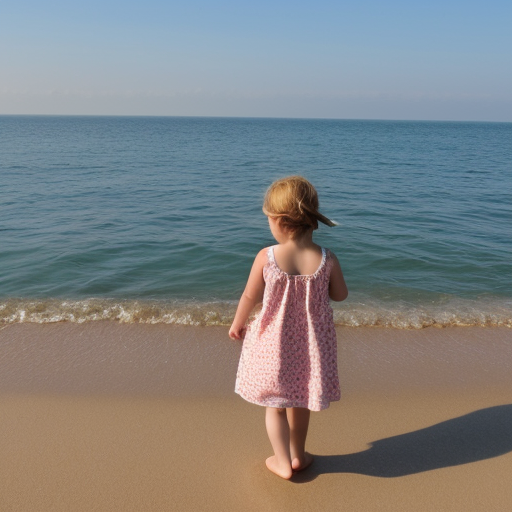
[(266, 252), (263, 257), (329, 253)]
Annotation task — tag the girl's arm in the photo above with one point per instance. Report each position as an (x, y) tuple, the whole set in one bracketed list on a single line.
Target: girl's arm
[(253, 294), (337, 288)]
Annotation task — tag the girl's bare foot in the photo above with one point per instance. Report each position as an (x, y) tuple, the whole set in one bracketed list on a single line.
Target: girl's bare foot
[(300, 464), (284, 471)]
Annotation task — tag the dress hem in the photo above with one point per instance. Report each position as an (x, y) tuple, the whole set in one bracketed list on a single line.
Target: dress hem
[(286, 404)]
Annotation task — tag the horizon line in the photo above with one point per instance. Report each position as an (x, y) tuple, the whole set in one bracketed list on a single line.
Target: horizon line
[(262, 118)]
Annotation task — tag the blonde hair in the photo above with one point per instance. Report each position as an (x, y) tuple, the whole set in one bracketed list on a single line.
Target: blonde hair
[(294, 201)]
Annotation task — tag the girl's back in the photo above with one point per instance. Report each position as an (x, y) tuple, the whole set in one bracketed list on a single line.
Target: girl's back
[(304, 261)]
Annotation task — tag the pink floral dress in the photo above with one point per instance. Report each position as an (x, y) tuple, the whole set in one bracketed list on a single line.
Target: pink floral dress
[(289, 354)]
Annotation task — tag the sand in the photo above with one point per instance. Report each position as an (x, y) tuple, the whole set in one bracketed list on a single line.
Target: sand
[(104, 416)]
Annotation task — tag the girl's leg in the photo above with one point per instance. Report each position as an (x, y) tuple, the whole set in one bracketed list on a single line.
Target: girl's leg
[(278, 432), (298, 420)]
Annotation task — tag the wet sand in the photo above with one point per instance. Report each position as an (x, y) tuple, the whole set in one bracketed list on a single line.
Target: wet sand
[(115, 417)]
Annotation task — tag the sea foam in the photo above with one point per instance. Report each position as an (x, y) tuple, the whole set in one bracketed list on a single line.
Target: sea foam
[(456, 312)]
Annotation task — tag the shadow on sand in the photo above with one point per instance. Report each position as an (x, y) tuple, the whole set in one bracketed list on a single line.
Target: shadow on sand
[(476, 436)]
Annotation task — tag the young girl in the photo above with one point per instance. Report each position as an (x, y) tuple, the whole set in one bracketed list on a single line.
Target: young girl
[(288, 362)]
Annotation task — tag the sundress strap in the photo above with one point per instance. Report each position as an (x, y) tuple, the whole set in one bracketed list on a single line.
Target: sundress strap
[(270, 255)]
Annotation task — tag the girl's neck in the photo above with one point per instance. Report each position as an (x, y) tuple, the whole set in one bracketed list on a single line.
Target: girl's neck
[(303, 241)]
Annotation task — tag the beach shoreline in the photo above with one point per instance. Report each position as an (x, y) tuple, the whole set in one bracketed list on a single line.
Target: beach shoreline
[(110, 416)]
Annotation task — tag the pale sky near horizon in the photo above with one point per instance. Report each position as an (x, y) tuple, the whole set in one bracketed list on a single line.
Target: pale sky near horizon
[(387, 59)]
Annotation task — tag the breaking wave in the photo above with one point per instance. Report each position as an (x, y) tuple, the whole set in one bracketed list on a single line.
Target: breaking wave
[(401, 315)]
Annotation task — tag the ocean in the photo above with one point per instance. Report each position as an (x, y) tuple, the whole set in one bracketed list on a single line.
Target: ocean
[(158, 219)]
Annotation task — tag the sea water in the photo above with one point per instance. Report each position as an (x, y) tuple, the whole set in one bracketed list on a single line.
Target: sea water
[(158, 219)]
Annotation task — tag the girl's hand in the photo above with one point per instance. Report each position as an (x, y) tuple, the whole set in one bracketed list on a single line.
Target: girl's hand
[(237, 332)]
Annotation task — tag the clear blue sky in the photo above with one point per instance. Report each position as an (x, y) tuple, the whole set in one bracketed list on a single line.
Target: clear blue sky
[(366, 59)]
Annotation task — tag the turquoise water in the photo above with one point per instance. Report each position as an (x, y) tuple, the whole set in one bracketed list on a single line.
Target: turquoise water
[(158, 219)]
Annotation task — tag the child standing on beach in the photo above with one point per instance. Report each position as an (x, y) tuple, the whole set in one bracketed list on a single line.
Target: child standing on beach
[(288, 362)]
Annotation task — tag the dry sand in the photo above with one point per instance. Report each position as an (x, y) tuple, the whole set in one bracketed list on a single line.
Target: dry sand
[(110, 417)]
